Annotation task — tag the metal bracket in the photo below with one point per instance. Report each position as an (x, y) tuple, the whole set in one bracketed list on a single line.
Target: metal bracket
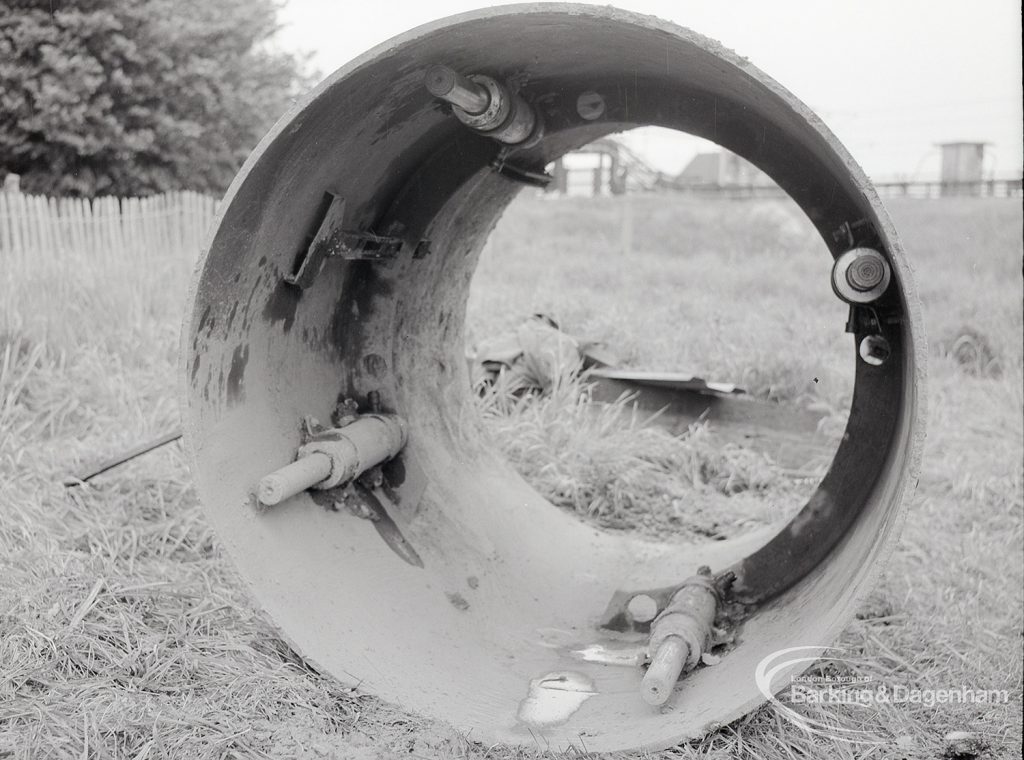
[(333, 241), (859, 232), (863, 319), (520, 174)]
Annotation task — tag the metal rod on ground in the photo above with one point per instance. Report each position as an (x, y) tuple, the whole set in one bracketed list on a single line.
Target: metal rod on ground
[(127, 456)]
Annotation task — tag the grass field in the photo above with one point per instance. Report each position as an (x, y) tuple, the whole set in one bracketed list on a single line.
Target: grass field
[(123, 628)]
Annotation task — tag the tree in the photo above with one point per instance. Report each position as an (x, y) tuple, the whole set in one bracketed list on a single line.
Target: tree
[(132, 97)]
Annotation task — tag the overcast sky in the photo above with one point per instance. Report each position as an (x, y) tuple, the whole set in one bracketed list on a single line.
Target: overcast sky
[(890, 77)]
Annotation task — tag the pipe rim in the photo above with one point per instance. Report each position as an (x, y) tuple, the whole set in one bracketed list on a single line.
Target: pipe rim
[(909, 429)]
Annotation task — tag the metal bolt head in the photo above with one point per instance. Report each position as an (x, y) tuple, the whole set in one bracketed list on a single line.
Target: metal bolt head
[(590, 105), (875, 350), (866, 272), (346, 413), (861, 275)]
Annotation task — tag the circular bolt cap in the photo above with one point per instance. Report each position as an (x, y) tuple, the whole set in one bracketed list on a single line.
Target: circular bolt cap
[(874, 350), (866, 272), (860, 275), (643, 608), (440, 80), (590, 105)]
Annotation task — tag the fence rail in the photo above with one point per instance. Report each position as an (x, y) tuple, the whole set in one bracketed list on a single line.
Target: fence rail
[(990, 188), (34, 227)]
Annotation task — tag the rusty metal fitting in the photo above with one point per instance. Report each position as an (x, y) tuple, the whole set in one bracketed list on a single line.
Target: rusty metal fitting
[(338, 456), (861, 275), (520, 125), (484, 104), (355, 448), (680, 635)]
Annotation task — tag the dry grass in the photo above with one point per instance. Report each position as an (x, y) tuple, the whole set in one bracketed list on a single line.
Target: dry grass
[(733, 291), (618, 470), (124, 633)]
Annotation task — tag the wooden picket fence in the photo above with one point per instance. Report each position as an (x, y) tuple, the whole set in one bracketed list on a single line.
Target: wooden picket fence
[(74, 271), (107, 230)]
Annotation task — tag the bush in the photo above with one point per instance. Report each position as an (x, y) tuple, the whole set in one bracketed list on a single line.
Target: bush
[(133, 97)]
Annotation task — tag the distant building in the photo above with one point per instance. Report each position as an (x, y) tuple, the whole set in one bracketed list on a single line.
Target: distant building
[(608, 167), (722, 169), (595, 169), (603, 167), (962, 164)]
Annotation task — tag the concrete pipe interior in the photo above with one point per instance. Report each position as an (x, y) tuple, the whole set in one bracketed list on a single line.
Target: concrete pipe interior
[(483, 587)]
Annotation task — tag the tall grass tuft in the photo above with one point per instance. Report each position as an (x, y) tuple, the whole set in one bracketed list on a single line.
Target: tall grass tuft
[(616, 468), (19, 359)]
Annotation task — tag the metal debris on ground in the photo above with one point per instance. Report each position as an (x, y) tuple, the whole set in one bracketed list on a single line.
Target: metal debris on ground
[(122, 458), (534, 356)]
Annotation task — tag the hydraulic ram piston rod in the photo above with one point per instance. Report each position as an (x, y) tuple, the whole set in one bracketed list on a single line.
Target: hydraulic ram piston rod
[(451, 86), (485, 105), (338, 458), (679, 636)]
